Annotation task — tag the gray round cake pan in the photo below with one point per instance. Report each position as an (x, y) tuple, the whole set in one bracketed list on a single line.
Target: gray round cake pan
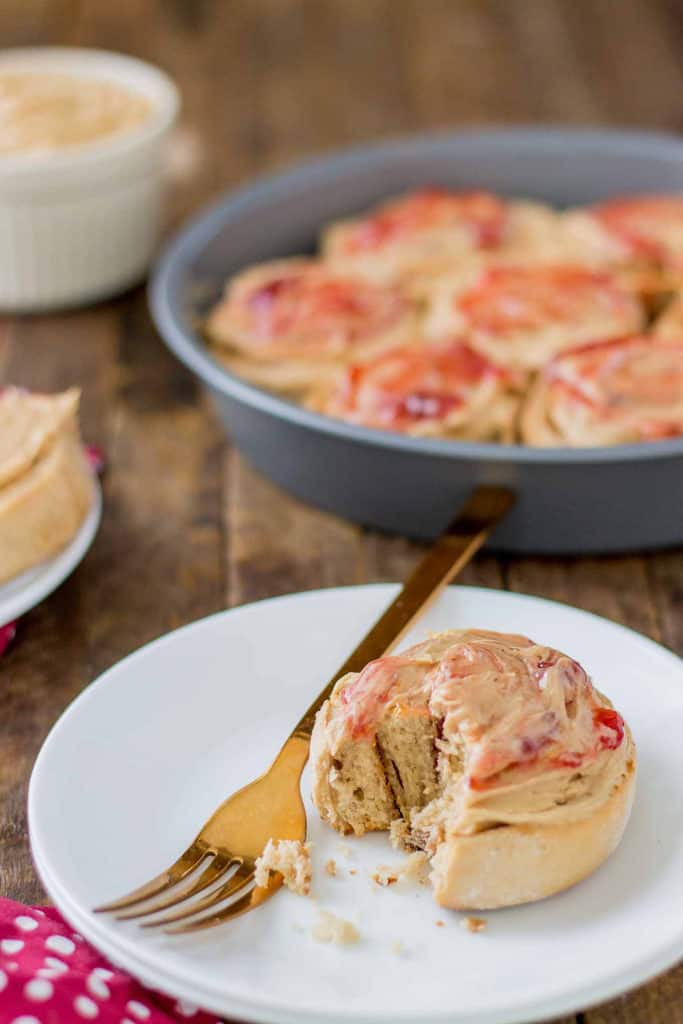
[(568, 500)]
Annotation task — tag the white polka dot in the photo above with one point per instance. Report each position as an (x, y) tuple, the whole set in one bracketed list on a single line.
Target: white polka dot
[(3, 980), (97, 987), (60, 944), (25, 1020), (38, 990), (186, 1009), (85, 1007), (58, 966), (10, 946), (40, 913), (103, 972), (27, 924), (138, 1010)]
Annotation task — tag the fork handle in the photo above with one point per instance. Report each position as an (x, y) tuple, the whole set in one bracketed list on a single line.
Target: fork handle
[(461, 539)]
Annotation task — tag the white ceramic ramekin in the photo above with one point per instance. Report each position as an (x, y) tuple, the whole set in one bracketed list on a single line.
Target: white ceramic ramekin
[(81, 223)]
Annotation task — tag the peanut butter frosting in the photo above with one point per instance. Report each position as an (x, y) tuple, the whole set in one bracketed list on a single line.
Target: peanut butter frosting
[(526, 736), (45, 111)]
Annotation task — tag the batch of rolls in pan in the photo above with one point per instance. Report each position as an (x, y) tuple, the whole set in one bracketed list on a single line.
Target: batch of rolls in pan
[(468, 316)]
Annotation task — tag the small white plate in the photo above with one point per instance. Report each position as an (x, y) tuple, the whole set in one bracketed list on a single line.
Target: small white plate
[(26, 591), (143, 756)]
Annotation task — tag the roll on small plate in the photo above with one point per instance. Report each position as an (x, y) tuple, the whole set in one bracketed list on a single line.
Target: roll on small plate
[(492, 753)]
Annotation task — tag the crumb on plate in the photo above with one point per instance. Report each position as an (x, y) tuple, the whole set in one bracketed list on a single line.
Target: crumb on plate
[(385, 876), (330, 928), (290, 858), (398, 834), (474, 924), (412, 869)]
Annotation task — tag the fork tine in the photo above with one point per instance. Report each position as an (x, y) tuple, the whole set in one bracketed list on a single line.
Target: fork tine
[(242, 877), (186, 863), (248, 902), (211, 873)]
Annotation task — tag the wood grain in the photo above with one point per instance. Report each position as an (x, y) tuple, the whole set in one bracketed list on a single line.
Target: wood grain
[(189, 527)]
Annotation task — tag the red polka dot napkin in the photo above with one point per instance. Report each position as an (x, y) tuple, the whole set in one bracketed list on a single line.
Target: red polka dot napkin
[(50, 975), (7, 635)]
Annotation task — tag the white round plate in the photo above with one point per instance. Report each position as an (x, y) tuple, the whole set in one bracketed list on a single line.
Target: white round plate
[(142, 757), (33, 586)]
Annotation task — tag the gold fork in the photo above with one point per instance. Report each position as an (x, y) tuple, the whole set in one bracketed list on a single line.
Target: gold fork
[(271, 807)]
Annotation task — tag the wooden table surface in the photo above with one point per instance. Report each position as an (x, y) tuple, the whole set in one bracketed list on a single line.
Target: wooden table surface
[(188, 527)]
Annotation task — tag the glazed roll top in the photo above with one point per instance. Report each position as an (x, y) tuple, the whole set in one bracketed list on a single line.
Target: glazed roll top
[(645, 229), (625, 390), (289, 324), (446, 390), (473, 220), (522, 316), (521, 734), (433, 229), (301, 307)]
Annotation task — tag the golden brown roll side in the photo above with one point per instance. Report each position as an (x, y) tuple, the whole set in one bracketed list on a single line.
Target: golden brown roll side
[(502, 867), (615, 392), (46, 485), (287, 325), (507, 767), (442, 390), (521, 316)]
